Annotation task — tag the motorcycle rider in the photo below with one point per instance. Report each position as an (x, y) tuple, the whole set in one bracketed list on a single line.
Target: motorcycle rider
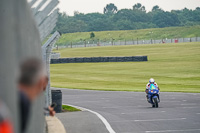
[(151, 81)]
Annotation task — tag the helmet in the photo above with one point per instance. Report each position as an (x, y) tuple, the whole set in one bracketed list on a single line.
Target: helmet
[(151, 81)]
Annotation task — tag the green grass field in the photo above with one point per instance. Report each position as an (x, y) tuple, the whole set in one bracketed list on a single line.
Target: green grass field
[(158, 33), (175, 67)]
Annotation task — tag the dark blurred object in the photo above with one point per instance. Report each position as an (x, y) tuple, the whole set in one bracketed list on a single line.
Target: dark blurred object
[(53, 105), (51, 111), (24, 106), (57, 99)]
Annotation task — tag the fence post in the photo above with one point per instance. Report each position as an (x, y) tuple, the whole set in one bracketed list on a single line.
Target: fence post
[(137, 40), (125, 41), (71, 44), (112, 42), (46, 51), (85, 43)]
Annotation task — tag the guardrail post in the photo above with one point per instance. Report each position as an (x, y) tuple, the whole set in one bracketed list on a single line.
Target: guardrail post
[(46, 50)]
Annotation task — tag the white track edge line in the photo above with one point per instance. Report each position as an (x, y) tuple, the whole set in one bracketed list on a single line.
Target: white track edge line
[(105, 122), (164, 131)]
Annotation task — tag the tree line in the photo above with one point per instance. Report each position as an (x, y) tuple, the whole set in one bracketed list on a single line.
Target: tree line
[(126, 19)]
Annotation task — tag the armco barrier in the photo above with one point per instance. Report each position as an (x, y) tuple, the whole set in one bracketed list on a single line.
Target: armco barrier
[(99, 59)]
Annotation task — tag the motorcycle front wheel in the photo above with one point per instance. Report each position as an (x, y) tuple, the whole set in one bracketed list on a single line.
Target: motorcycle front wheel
[(155, 101)]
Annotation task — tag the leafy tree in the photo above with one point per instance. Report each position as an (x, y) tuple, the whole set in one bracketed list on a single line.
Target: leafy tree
[(166, 19), (69, 25), (76, 13), (125, 14), (124, 25), (101, 25), (156, 8), (110, 9), (126, 19), (198, 8), (92, 35), (132, 15), (139, 6)]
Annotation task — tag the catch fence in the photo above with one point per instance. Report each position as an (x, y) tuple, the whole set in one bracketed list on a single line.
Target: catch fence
[(112, 42)]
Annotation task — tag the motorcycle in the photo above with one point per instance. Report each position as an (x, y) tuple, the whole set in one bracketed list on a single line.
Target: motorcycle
[(153, 96)]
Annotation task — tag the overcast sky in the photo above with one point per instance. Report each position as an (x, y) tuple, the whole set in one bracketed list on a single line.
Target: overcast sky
[(90, 6)]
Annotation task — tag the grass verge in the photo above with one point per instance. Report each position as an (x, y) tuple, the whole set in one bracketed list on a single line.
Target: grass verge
[(143, 34), (67, 108), (175, 67)]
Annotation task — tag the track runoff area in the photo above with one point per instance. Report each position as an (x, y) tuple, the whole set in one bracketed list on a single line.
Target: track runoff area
[(129, 112)]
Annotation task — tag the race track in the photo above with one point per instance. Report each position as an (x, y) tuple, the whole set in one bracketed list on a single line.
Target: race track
[(129, 112)]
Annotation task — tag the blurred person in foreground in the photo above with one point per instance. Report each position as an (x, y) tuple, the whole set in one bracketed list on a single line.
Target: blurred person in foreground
[(31, 83), (6, 125)]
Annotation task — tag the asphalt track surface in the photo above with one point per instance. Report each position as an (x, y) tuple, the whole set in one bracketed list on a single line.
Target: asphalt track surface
[(129, 112)]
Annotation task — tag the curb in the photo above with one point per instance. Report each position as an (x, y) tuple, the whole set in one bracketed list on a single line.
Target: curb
[(54, 125)]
